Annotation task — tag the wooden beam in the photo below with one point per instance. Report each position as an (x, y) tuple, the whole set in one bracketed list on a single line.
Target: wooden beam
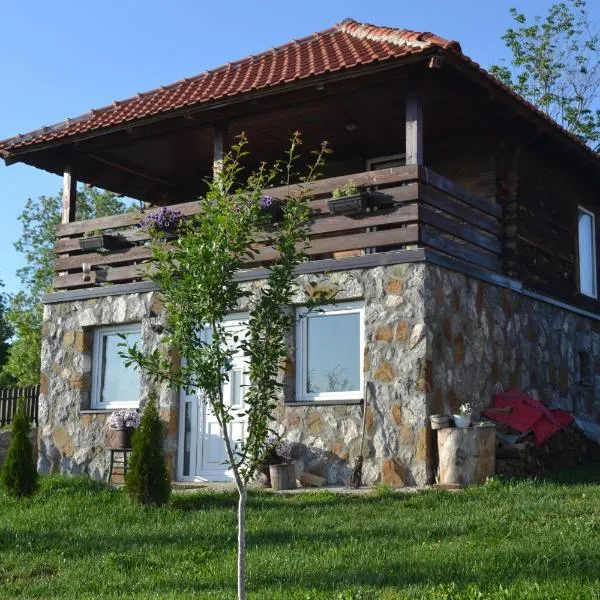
[(69, 196), (414, 130)]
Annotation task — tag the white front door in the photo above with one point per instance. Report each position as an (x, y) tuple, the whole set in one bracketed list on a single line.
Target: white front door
[(202, 455)]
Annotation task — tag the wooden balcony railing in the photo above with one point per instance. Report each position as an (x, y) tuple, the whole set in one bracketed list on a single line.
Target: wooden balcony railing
[(422, 209)]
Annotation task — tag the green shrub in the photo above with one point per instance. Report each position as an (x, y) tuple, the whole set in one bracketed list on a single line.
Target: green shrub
[(19, 475), (147, 480)]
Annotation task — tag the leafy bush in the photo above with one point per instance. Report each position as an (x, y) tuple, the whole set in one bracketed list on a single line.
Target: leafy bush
[(19, 475), (147, 480)]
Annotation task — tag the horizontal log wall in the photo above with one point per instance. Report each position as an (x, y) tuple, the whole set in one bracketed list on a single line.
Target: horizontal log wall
[(546, 230), (422, 208)]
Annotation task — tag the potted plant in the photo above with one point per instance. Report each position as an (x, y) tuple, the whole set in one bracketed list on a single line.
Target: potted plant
[(283, 474), (463, 418), (347, 199), (96, 240), (277, 453), (123, 422), (268, 457), (164, 222)]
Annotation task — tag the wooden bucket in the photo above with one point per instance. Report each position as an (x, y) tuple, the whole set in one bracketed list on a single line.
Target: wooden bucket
[(439, 421), (283, 476)]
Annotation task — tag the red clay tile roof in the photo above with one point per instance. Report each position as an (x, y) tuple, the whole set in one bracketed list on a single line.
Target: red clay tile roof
[(346, 45)]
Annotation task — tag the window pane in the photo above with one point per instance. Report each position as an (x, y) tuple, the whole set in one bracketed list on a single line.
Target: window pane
[(187, 439), (333, 353), (237, 391), (119, 384), (587, 261)]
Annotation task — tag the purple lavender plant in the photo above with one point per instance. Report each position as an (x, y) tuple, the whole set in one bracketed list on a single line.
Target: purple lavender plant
[(271, 208), (164, 219), (266, 202)]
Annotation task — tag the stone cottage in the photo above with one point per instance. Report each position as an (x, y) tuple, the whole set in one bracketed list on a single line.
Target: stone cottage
[(474, 264)]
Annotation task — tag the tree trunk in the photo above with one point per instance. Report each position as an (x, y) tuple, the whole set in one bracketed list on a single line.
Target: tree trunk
[(241, 562), (466, 456)]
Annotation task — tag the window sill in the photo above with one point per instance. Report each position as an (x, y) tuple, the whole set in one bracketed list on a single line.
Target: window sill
[(324, 402), (104, 411)]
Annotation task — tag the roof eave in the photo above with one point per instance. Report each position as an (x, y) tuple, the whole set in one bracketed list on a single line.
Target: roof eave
[(13, 156), (520, 105)]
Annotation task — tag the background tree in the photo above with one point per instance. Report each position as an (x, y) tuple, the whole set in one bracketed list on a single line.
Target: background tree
[(19, 474), (196, 276), (24, 315), (555, 64), (6, 334)]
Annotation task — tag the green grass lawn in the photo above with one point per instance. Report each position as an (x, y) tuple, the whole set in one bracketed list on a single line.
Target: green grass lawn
[(77, 539)]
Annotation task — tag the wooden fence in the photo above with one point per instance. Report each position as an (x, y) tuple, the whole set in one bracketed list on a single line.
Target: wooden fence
[(9, 403)]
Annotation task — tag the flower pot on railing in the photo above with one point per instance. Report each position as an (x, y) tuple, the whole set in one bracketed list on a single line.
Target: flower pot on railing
[(103, 241), (348, 205)]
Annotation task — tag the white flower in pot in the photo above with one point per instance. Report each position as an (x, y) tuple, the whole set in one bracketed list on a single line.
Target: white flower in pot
[(463, 418), (124, 422)]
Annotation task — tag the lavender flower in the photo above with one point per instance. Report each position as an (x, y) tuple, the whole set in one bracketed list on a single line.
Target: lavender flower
[(284, 450), (164, 219), (266, 202), (275, 450)]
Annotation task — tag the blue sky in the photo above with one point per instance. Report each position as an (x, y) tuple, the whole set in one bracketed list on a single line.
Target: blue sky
[(59, 59)]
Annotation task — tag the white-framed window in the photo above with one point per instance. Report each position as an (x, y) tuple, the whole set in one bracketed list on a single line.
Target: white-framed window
[(329, 352), (587, 252), (113, 384)]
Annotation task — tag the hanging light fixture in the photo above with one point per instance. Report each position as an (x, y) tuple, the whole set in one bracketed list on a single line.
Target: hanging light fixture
[(350, 125)]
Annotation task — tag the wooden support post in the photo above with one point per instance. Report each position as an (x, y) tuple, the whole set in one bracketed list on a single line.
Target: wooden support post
[(69, 196), (414, 130), (218, 142)]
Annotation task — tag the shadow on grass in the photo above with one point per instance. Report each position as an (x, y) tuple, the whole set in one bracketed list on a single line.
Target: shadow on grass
[(306, 541), (400, 574), (206, 499), (580, 475), (203, 500)]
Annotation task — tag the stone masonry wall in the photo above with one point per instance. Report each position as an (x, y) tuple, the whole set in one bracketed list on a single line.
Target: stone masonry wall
[(433, 339), (480, 335), (72, 438), (327, 438)]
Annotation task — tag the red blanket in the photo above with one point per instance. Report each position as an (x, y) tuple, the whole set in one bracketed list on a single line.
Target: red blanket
[(523, 413)]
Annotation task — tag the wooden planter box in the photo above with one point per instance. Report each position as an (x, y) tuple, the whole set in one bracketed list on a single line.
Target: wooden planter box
[(274, 212), (348, 205), (100, 242)]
